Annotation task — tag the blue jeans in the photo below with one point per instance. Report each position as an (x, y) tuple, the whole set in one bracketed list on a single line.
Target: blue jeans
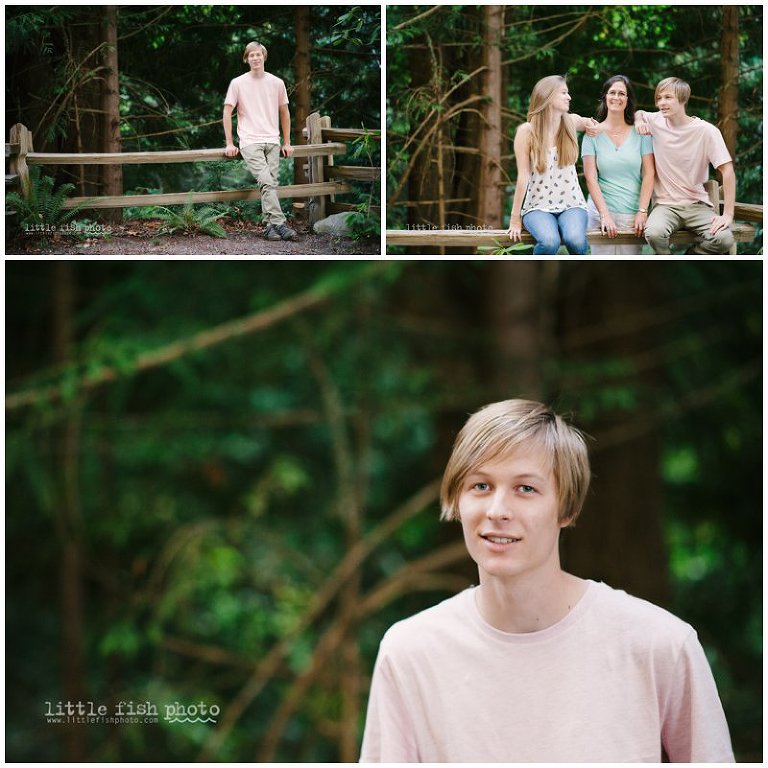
[(549, 229)]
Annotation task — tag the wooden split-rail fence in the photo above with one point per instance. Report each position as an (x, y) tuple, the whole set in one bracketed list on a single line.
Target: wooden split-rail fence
[(470, 240), (326, 180)]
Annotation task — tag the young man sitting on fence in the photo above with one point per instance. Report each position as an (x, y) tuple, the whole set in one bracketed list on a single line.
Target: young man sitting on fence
[(262, 110), (684, 147)]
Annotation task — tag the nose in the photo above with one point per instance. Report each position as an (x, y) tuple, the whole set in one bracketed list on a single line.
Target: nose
[(499, 507)]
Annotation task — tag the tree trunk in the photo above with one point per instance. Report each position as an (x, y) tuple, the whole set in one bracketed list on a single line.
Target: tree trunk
[(86, 132), (303, 76), (490, 204), (619, 537), (71, 584), (111, 175), (728, 110), (517, 330), (423, 188)]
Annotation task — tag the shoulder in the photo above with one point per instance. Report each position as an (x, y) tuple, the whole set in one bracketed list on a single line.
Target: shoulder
[(589, 145), (707, 129), (428, 627), (274, 79), (646, 142), (641, 621), (524, 130)]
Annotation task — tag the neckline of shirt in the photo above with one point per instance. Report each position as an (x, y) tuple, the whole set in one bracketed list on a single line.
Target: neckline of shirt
[(521, 638)]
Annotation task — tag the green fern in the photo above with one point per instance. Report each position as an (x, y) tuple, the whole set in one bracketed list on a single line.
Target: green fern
[(43, 205), (189, 219)]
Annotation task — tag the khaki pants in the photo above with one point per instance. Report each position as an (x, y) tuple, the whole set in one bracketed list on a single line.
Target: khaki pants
[(666, 219), (263, 161)]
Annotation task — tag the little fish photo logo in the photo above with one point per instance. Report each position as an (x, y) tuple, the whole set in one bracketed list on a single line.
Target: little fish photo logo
[(128, 712)]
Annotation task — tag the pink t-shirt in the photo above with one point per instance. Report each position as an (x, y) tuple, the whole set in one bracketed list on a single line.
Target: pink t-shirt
[(257, 100), (617, 680), (683, 156)]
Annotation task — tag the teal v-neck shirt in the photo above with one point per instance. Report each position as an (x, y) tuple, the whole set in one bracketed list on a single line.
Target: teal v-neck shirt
[(619, 170)]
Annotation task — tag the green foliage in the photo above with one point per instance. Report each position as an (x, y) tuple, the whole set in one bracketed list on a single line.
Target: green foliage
[(42, 210), (365, 222), (189, 219)]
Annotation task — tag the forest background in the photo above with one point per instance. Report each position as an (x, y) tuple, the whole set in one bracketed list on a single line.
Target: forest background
[(108, 78), (459, 79), (222, 477)]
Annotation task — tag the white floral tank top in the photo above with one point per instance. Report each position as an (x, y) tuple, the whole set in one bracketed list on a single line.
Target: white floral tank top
[(555, 190)]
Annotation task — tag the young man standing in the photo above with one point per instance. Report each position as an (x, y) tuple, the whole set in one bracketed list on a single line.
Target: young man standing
[(684, 147), (262, 111), (536, 664)]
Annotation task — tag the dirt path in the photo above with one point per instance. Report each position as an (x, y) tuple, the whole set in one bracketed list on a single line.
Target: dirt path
[(143, 238)]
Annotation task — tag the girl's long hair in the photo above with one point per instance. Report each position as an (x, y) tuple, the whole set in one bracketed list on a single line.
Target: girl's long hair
[(629, 110), (538, 116)]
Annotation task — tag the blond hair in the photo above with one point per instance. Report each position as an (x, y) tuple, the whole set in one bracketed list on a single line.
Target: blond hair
[(679, 87), (250, 47), (538, 116), (500, 428)]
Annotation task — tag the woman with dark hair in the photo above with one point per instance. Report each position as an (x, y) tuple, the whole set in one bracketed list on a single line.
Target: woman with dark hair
[(618, 167)]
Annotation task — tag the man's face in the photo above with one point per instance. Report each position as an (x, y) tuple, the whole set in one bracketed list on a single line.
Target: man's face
[(509, 513), (669, 105), (256, 59)]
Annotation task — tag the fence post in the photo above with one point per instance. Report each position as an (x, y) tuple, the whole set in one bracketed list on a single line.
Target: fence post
[(22, 136), (315, 136), (325, 122)]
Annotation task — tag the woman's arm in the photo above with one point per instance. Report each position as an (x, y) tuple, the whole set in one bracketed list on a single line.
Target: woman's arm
[(587, 125), (646, 190), (523, 162), (607, 224)]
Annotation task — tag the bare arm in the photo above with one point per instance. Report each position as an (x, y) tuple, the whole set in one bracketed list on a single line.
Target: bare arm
[(231, 150), (642, 126), (729, 198), (587, 125), (523, 162), (607, 224), (285, 126), (646, 190)]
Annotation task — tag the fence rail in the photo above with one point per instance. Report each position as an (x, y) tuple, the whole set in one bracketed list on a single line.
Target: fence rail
[(326, 180)]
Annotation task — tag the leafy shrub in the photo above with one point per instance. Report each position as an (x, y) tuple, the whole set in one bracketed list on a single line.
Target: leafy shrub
[(43, 209)]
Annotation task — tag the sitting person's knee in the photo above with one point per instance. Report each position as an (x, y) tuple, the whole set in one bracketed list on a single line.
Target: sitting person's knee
[(656, 234), (576, 244), (720, 242), (549, 244)]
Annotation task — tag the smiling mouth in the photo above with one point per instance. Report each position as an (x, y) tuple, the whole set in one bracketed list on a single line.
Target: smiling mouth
[(501, 539)]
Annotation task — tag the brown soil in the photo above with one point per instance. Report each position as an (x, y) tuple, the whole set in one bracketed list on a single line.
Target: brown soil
[(145, 238)]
